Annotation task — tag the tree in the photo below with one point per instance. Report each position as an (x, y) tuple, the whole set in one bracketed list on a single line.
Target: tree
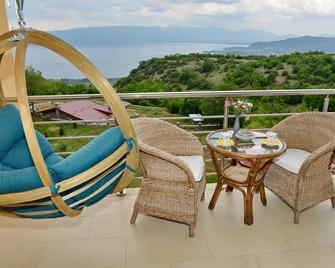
[(208, 66), (213, 106), (36, 83), (190, 106), (174, 106), (187, 75)]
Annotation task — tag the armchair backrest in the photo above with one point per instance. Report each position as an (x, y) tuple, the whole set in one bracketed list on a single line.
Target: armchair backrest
[(307, 131), (158, 134)]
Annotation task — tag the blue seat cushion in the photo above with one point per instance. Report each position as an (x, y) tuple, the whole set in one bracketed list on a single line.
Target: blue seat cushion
[(14, 151), (20, 180), (89, 155), (17, 170)]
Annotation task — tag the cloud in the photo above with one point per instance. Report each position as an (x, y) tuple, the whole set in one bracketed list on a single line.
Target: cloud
[(320, 7), (282, 16)]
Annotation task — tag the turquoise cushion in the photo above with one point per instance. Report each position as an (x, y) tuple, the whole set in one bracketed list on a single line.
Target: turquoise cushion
[(17, 171), (4, 168), (13, 142), (11, 128), (19, 180), (89, 155), (53, 159)]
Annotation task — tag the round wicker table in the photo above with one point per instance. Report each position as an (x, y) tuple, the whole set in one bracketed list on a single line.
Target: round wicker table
[(257, 152)]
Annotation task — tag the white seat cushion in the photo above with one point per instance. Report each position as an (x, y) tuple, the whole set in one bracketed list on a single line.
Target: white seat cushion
[(292, 160), (196, 164)]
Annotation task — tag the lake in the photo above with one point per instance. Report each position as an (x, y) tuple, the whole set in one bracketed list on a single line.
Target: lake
[(112, 61)]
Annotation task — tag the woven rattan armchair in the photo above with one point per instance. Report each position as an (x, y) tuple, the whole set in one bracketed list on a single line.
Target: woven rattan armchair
[(170, 188), (303, 177)]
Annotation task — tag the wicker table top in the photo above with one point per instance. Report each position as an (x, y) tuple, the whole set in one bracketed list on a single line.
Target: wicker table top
[(257, 148)]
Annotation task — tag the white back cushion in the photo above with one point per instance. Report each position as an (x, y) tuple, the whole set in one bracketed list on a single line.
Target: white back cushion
[(292, 160), (196, 164)]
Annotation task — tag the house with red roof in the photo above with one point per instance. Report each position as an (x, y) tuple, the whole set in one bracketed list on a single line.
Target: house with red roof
[(84, 110), (78, 110)]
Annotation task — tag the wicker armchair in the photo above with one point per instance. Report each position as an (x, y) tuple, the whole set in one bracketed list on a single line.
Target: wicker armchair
[(173, 172), (302, 176)]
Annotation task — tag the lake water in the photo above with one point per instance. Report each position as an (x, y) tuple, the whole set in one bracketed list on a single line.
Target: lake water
[(112, 61)]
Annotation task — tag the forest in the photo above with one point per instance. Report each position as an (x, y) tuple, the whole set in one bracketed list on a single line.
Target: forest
[(195, 72)]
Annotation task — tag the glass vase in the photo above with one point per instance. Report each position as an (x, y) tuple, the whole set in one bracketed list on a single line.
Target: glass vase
[(237, 125)]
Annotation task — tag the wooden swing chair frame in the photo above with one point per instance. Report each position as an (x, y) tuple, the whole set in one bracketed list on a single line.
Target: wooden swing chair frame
[(20, 39)]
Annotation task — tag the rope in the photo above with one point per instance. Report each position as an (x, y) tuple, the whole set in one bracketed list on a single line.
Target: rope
[(131, 142), (19, 13)]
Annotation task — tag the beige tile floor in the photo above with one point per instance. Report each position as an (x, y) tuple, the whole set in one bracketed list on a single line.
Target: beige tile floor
[(103, 237)]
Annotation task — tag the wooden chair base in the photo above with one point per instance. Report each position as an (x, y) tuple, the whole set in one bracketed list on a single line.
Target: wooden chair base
[(191, 230), (203, 197), (296, 217), (133, 217)]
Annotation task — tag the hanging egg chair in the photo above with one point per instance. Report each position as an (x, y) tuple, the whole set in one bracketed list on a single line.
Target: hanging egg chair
[(36, 182)]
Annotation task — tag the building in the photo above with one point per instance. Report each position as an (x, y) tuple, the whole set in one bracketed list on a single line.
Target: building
[(86, 110)]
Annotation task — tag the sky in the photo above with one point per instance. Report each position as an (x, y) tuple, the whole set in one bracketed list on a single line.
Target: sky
[(301, 17)]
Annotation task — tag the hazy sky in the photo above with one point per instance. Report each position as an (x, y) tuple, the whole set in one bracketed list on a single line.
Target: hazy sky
[(314, 17)]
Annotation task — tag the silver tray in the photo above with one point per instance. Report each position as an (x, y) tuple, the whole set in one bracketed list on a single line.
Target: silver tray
[(245, 135)]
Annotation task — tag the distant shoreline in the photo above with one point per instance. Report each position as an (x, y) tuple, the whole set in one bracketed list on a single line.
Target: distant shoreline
[(113, 61)]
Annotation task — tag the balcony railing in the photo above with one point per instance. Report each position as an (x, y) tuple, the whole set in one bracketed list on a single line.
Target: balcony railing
[(175, 95)]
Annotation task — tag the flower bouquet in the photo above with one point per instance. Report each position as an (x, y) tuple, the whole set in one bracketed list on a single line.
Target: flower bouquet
[(241, 107)]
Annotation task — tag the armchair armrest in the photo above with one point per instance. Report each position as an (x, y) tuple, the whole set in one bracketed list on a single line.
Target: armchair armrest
[(319, 161), (161, 165)]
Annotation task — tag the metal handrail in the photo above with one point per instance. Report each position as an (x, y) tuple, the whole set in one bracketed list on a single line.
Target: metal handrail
[(186, 94), (111, 121)]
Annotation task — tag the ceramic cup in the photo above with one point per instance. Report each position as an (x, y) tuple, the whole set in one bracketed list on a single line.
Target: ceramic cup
[(225, 138), (272, 136)]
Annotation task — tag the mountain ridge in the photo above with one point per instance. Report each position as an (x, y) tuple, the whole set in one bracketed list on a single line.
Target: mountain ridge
[(123, 35), (279, 47)]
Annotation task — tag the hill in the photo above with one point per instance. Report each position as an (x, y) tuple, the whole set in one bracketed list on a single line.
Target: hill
[(287, 46), (217, 72), (229, 72), (130, 35)]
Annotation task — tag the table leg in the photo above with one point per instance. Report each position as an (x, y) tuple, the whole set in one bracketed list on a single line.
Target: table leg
[(248, 208), (262, 194), (216, 194), (229, 188)]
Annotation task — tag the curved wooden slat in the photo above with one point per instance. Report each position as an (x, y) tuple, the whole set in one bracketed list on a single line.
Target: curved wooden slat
[(2, 96), (103, 86), (29, 130), (8, 214), (4, 46)]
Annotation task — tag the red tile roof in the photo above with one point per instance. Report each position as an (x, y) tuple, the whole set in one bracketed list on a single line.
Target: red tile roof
[(85, 110)]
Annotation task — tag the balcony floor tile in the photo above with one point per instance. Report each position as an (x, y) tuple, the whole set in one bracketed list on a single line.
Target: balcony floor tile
[(103, 237)]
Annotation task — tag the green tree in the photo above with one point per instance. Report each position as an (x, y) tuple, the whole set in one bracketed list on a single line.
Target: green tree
[(190, 106), (207, 66), (36, 83), (187, 76)]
